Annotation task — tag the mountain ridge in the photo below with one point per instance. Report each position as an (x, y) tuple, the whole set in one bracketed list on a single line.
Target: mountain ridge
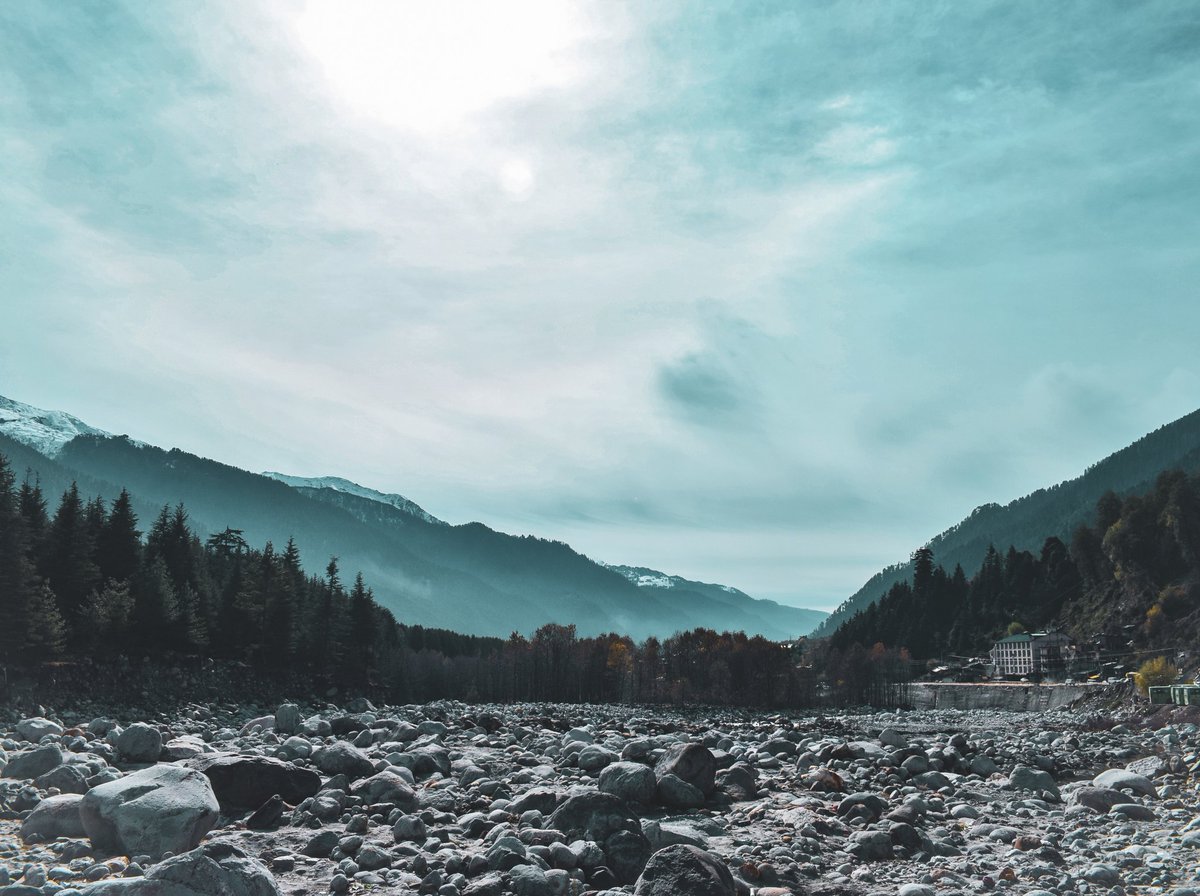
[(467, 578), (1053, 511)]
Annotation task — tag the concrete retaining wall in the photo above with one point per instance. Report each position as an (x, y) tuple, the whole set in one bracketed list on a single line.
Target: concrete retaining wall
[(1010, 697)]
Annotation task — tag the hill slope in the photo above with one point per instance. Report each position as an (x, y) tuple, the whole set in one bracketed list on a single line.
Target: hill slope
[(468, 578), (738, 610), (1059, 510)]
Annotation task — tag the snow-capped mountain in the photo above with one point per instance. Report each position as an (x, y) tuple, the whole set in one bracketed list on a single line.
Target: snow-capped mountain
[(46, 432), (338, 484), (652, 578), (739, 610), (467, 578)]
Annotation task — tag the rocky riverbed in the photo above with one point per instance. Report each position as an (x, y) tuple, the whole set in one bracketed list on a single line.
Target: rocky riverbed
[(535, 800)]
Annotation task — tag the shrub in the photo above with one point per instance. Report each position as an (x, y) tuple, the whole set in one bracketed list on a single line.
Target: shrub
[(1158, 671)]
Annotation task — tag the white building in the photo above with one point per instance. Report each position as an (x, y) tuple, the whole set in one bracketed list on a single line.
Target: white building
[(1028, 653)]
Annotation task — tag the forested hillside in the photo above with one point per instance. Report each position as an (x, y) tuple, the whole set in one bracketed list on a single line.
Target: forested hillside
[(1056, 511), (468, 578), (1128, 581), (79, 583)]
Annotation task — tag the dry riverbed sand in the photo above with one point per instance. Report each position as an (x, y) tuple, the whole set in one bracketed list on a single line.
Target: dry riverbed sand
[(541, 800)]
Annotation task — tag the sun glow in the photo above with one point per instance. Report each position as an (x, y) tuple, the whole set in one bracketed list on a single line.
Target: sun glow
[(431, 67)]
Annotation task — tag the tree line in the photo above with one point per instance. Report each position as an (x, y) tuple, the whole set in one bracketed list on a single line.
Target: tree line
[(1130, 578), (84, 584)]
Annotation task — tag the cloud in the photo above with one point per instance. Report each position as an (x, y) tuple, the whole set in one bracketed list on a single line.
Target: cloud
[(649, 277), (702, 390)]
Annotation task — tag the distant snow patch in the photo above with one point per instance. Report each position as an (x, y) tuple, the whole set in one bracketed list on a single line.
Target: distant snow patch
[(46, 432), (338, 484)]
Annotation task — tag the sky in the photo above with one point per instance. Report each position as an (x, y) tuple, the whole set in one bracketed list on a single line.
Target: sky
[(765, 294)]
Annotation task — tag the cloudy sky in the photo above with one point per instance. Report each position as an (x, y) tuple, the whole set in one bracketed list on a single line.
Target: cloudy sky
[(765, 294)]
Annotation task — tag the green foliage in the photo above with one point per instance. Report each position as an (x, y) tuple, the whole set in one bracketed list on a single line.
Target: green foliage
[(1092, 500), (1137, 571), (175, 596), (45, 631), (1155, 672)]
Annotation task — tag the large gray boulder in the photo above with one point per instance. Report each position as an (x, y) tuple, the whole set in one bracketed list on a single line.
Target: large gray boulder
[(1025, 778), (693, 763), (246, 782), (386, 787), (33, 763), (215, 869), (140, 743), (685, 869), (629, 781), (607, 820), (36, 728), (870, 846), (673, 791), (158, 809), (341, 758), (55, 816), (70, 778), (287, 719), (1123, 779), (1099, 799)]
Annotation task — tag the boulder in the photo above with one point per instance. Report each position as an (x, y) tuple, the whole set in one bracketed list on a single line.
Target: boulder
[(629, 781), (870, 846), (1101, 799), (684, 869), (184, 747), (55, 816), (693, 763), (626, 853), (529, 880), (738, 782), (246, 782), (1123, 779), (593, 815), (1134, 811), (856, 803), (266, 816), (140, 743), (594, 757), (215, 869), (287, 719), (36, 728), (1025, 778), (158, 809), (607, 820), (386, 787), (679, 794), (67, 778), (33, 763), (1152, 766), (341, 758)]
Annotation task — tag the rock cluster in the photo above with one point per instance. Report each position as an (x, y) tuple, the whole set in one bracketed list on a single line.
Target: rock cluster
[(538, 800)]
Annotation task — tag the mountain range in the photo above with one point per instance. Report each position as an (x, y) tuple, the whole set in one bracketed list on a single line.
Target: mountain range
[(1056, 511), (468, 578)]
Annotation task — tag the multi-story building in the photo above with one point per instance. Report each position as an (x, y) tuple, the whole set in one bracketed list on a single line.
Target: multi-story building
[(1028, 653)]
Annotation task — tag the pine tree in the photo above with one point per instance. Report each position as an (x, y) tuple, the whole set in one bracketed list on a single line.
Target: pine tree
[(68, 558), (16, 571), (107, 615), (120, 547), (362, 631), (45, 631), (33, 508), (156, 608)]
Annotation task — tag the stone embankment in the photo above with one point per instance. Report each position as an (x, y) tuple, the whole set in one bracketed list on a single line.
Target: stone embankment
[(537, 800), (1009, 697)]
